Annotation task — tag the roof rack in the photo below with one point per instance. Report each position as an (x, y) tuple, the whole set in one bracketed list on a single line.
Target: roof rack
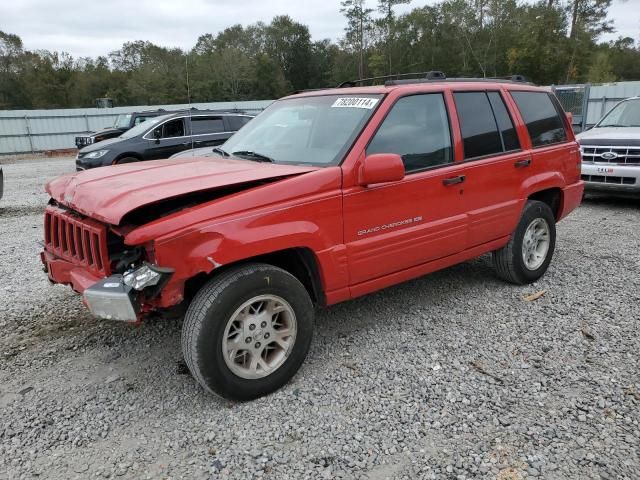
[(431, 76)]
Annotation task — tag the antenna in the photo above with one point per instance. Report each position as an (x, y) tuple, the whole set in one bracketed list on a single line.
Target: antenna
[(186, 68)]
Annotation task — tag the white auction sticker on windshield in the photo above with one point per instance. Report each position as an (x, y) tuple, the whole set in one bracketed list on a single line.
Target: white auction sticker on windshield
[(355, 102)]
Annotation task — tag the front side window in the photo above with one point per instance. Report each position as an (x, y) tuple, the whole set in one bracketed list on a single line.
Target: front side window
[(172, 128), (417, 129), (305, 130), (625, 114), (543, 120), (204, 125)]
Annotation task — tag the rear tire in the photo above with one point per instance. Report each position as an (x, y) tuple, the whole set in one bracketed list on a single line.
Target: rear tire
[(527, 255), (247, 331)]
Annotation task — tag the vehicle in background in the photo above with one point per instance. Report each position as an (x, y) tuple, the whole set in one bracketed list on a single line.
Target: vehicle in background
[(611, 150), (123, 122), (200, 152), (326, 196), (163, 136)]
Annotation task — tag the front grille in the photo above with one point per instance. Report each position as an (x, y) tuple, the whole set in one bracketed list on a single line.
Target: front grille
[(609, 179), (81, 241), (83, 141), (612, 155)]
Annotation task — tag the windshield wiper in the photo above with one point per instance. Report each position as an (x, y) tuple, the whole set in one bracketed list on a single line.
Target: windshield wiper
[(221, 152), (256, 157)]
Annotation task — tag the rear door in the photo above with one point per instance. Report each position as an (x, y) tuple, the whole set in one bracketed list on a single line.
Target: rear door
[(394, 226), (496, 164), (545, 122), (208, 130)]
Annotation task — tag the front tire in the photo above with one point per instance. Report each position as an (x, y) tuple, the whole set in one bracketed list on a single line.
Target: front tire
[(247, 331), (527, 255)]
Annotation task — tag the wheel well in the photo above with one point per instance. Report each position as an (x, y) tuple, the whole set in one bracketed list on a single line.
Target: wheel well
[(129, 154), (299, 262), (551, 197)]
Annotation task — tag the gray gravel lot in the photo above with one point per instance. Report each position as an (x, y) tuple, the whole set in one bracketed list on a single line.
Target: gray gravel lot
[(453, 375)]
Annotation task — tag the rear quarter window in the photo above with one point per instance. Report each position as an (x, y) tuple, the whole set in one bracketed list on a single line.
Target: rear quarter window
[(543, 120)]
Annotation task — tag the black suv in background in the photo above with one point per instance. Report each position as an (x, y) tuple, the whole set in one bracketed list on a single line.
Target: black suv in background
[(162, 136), (123, 122)]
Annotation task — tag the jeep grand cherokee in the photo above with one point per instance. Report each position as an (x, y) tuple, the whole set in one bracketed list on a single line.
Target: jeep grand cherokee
[(325, 196)]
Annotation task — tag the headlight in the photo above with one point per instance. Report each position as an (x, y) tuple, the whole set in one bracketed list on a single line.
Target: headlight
[(96, 154), (145, 276)]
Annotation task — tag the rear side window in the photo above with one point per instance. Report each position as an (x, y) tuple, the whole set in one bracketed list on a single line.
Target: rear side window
[(204, 125), (543, 120), (486, 126), (417, 129), (237, 122), (505, 124)]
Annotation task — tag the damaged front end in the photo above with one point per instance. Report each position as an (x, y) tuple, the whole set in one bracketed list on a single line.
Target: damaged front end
[(117, 282), (118, 297)]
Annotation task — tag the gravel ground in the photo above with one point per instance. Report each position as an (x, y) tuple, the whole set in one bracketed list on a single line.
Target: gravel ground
[(454, 375)]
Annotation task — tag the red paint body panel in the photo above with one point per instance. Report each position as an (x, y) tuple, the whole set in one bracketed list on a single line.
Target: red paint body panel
[(363, 238), (108, 194)]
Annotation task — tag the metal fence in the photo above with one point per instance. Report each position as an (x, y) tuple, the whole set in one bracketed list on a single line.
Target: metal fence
[(23, 131), (589, 103)]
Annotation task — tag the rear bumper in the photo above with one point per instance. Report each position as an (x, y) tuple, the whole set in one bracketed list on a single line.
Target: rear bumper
[(611, 178), (571, 198)]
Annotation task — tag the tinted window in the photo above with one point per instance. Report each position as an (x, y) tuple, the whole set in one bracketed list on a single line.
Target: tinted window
[(201, 125), (140, 120), (479, 130), (416, 128), (173, 128), (543, 120), (237, 122), (505, 124)]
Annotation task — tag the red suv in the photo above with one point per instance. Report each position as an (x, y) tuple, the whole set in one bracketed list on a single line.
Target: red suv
[(325, 196)]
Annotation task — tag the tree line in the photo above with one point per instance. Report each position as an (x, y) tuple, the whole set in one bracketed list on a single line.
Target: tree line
[(548, 41)]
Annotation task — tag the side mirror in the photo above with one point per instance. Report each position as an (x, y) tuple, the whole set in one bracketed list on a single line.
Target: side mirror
[(381, 168), (157, 134)]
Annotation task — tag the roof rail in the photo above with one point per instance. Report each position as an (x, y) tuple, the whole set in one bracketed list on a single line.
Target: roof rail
[(431, 75), (505, 79)]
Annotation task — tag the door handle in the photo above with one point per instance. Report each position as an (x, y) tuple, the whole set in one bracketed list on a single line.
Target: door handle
[(453, 180), (522, 163)]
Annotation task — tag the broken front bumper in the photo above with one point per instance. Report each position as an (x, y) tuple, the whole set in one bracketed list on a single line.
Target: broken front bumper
[(111, 299)]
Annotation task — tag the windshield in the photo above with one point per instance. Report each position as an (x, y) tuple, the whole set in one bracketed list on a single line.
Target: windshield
[(143, 127), (122, 121), (308, 130), (625, 114)]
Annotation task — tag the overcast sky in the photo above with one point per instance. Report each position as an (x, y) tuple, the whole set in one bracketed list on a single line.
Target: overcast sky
[(92, 28)]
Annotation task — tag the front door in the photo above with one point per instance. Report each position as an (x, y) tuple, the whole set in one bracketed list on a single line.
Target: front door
[(173, 139), (391, 227)]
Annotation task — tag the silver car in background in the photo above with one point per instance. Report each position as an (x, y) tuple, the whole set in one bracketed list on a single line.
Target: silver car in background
[(611, 150)]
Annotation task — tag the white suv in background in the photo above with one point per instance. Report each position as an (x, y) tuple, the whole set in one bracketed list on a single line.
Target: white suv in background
[(611, 150)]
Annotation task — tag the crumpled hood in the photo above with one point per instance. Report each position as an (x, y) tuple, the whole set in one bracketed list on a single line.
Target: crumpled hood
[(596, 136), (109, 193)]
